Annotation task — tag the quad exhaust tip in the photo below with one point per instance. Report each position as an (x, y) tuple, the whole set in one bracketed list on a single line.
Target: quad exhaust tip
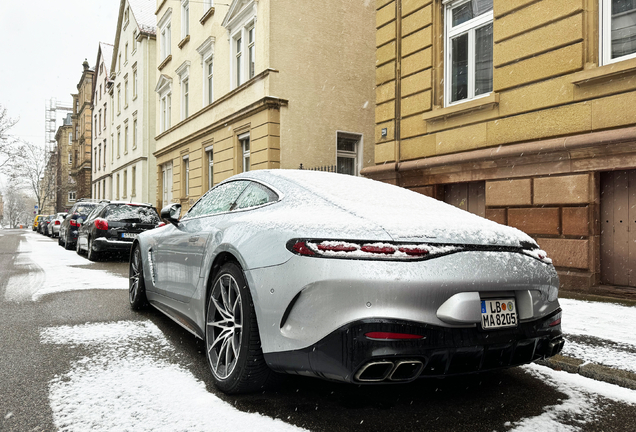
[(385, 370)]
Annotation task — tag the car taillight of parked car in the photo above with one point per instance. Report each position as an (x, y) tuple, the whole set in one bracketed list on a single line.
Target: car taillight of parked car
[(57, 222), (73, 223), (101, 224)]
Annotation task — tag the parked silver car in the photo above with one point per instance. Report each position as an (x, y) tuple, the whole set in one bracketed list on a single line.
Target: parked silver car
[(54, 226), (347, 279)]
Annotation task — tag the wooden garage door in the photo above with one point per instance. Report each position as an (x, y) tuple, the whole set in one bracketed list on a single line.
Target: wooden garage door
[(618, 228)]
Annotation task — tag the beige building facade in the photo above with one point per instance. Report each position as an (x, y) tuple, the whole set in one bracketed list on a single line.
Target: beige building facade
[(65, 183), (521, 111), (133, 71), (82, 134), (260, 85)]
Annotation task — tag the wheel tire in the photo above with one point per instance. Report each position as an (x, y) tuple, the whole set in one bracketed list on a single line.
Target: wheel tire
[(78, 249), (136, 285), (232, 340), (90, 253), (59, 240), (67, 246)]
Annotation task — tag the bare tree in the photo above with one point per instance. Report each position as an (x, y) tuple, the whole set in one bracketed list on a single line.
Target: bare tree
[(35, 174), (9, 146), (18, 207)]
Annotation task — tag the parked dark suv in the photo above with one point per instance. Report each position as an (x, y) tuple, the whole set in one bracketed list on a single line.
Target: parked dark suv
[(70, 226), (113, 225)]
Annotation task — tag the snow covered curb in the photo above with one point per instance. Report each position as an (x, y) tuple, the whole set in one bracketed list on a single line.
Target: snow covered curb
[(591, 370)]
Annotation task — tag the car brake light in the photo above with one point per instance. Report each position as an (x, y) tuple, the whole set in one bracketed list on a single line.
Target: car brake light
[(57, 222), (73, 223), (101, 224), (391, 336), (368, 250), (555, 322), (161, 224)]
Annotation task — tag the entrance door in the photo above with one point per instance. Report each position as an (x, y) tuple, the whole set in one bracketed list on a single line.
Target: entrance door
[(618, 228), (467, 196), (166, 172)]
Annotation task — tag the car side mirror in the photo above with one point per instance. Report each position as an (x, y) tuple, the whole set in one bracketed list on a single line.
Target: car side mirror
[(172, 213)]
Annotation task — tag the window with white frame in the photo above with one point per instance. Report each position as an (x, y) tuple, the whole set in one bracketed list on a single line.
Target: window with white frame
[(118, 98), (126, 92), (241, 25), (112, 147), (134, 41), (209, 151), (206, 51), (244, 141), (70, 138), (72, 196), (165, 34), (348, 147), (117, 195), (70, 158), (469, 48), (95, 160), (99, 159), (618, 30), (184, 77), (126, 138), (134, 133), (186, 175), (105, 154), (125, 185), (135, 82), (185, 18), (166, 177), (133, 181), (118, 142), (164, 90)]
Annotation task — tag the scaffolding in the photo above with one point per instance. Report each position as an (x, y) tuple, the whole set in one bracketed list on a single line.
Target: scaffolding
[(52, 106)]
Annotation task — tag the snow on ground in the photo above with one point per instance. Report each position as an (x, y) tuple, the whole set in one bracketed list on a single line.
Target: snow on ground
[(123, 385), (582, 405), (607, 325), (46, 268)]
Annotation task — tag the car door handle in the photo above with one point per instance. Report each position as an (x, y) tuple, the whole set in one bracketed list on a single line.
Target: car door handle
[(193, 239)]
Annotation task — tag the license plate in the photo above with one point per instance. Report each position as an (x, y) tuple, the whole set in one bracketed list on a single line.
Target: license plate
[(128, 235), (498, 314)]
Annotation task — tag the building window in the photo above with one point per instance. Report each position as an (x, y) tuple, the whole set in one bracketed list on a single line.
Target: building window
[(185, 95), (105, 155), (134, 41), (165, 34), (104, 188), (165, 111), (126, 92), (118, 98), (135, 83), (95, 160), (347, 148), (118, 142), (112, 148), (251, 50), (124, 188), (618, 30), (117, 187), (70, 159), (119, 63), (104, 116), (185, 18), (186, 175), (126, 54), (209, 74), (126, 139), (134, 131), (95, 126), (469, 42), (166, 176), (70, 138), (100, 121), (210, 153), (238, 44), (133, 182), (244, 140), (99, 159), (72, 196)]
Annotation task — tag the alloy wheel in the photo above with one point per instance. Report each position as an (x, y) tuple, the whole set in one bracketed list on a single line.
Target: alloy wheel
[(135, 269), (225, 326)]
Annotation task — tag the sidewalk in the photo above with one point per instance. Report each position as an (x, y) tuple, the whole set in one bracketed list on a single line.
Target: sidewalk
[(600, 338)]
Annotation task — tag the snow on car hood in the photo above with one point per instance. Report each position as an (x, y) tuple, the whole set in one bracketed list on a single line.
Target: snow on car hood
[(405, 215)]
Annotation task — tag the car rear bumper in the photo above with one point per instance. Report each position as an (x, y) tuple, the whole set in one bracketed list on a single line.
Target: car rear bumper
[(105, 244), (350, 356)]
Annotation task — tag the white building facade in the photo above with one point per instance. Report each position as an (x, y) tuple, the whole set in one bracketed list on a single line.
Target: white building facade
[(101, 169), (132, 117)]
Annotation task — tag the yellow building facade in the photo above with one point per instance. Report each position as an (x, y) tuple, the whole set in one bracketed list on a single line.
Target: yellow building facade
[(522, 111), (260, 85)]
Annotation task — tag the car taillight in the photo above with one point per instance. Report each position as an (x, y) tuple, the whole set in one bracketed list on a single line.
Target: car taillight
[(57, 222), (73, 223), (161, 224), (101, 224), (539, 254), (368, 250)]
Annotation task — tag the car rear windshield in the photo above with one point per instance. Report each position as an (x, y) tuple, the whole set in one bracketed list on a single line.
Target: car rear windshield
[(85, 209), (131, 213)]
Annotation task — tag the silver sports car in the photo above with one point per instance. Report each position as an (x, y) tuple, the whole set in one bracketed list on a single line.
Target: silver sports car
[(347, 279)]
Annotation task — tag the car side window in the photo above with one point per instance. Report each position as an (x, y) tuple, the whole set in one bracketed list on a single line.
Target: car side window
[(218, 200), (255, 195)]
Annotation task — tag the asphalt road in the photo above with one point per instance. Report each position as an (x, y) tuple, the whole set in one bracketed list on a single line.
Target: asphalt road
[(487, 402)]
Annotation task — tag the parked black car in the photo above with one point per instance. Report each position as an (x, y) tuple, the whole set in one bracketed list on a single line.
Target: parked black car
[(113, 226), (70, 226), (44, 225)]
